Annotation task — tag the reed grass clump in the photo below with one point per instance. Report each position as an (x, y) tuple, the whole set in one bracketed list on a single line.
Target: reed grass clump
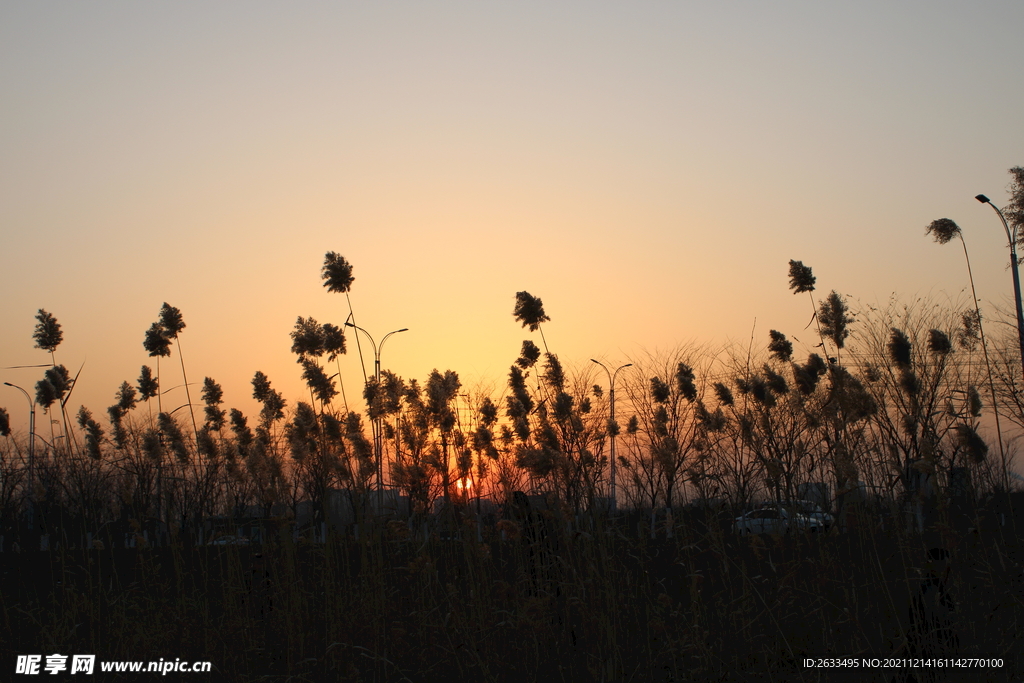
[(478, 535)]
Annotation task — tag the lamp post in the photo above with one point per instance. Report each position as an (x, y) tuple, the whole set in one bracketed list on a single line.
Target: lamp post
[(378, 437), (611, 419), (1012, 237), (31, 454)]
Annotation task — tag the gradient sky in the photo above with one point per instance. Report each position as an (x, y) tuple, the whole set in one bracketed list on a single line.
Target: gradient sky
[(647, 169)]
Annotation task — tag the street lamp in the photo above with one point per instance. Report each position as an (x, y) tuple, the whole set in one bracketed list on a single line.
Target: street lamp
[(378, 437), (31, 453), (611, 399), (376, 350), (1012, 237)]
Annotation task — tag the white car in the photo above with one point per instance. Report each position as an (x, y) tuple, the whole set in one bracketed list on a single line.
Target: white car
[(811, 510), (229, 540), (773, 519)]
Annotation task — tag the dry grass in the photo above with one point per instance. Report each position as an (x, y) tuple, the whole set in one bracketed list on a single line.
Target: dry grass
[(560, 603)]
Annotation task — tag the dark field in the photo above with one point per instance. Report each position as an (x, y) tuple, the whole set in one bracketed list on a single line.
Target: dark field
[(554, 601)]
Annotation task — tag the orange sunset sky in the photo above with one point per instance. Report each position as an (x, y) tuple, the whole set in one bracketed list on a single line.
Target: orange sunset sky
[(647, 169)]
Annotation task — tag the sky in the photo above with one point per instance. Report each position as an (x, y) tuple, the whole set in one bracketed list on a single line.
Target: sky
[(647, 169)]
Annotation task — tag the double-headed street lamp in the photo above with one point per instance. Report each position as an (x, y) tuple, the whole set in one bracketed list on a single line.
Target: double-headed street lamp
[(31, 452), (378, 437), (611, 419), (1012, 237)]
